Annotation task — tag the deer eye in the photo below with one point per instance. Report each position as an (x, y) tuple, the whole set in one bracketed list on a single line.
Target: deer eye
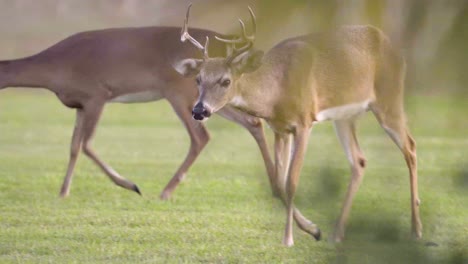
[(198, 80), (226, 83)]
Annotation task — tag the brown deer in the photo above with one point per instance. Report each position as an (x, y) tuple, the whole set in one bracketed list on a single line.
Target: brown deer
[(126, 65), (301, 81)]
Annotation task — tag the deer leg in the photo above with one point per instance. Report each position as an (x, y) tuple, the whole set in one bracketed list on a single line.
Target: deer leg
[(346, 133), (91, 115), (395, 126), (409, 151), (199, 137), (255, 127), (282, 162), (301, 137), (74, 152)]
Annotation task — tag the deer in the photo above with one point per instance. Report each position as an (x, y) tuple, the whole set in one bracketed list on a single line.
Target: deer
[(302, 81), (124, 65)]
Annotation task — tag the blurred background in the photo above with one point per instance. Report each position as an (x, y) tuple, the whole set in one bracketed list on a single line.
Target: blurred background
[(432, 33)]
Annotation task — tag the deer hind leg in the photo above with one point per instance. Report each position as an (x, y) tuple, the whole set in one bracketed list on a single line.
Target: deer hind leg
[(74, 152), (394, 124), (255, 127), (346, 132), (199, 137), (91, 115)]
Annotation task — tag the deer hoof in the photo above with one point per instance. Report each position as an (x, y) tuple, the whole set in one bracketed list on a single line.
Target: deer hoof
[(63, 194), (336, 238), (165, 196), (417, 235), (136, 189), (317, 235)]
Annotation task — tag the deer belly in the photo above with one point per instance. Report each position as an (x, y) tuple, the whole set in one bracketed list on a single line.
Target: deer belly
[(139, 97), (347, 111)]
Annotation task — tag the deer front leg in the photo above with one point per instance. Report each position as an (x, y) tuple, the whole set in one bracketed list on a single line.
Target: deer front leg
[(301, 137), (282, 162), (255, 127), (199, 137)]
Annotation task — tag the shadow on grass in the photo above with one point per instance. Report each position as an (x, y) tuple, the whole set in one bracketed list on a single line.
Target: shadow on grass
[(324, 195), (382, 236), (460, 178), (327, 189), (380, 240)]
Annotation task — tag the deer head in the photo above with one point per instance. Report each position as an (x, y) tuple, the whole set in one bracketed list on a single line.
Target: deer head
[(216, 77)]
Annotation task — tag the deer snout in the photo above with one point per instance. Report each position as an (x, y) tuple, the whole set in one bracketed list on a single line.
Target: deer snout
[(200, 112)]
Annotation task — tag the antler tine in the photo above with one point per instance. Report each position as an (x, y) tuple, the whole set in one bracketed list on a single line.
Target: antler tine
[(236, 40), (244, 31), (245, 37), (183, 32), (230, 41), (254, 26), (184, 35), (237, 52), (205, 49), (254, 23)]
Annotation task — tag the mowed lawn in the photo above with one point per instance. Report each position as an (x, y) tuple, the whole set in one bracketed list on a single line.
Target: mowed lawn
[(223, 212)]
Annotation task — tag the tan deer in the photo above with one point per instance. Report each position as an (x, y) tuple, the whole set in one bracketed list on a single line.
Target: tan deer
[(126, 65), (305, 80)]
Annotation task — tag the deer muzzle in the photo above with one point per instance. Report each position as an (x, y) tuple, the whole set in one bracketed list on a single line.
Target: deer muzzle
[(200, 112)]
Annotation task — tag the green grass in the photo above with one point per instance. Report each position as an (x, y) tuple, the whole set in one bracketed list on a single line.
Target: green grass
[(223, 211)]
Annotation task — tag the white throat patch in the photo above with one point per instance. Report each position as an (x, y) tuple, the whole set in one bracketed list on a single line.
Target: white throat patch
[(238, 101)]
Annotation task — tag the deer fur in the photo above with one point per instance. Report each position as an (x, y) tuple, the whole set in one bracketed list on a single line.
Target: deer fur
[(337, 76), (127, 65)]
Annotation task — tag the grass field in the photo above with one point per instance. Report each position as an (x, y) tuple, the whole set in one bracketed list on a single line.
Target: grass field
[(223, 212)]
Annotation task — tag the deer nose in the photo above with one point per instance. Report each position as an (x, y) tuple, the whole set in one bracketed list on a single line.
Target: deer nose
[(200, 112)]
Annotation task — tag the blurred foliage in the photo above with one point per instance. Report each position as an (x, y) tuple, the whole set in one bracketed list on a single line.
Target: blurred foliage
[(432, 33)]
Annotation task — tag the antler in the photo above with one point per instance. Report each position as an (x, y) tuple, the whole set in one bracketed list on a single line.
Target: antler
[(184, 35), (244, 37), (249, 40)]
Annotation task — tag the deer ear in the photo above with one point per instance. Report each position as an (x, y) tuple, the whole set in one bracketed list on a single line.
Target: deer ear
[(248, 61), (188, 67)]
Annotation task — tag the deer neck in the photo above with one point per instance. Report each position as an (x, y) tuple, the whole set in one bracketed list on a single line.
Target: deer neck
[(256, 93), (26, 72)]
